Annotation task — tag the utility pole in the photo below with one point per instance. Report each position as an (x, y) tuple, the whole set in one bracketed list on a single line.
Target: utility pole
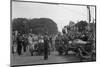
[(92, 36), (89, 13), (89, 19)]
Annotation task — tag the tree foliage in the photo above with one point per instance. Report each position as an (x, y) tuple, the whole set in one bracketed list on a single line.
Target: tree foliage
[(80, 31), (81, 25), (37, 25)]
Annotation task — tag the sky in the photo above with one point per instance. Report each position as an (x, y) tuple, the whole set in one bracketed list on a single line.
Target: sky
[(60, 14)]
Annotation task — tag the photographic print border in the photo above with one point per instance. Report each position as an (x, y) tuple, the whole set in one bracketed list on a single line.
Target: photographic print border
[(52, 3)]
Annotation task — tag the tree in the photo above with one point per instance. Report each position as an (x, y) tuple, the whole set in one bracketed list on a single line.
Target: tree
[(36, 25), (42, 25), (81, 26), (19, 24)]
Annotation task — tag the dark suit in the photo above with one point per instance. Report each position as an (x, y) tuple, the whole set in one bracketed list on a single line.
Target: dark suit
[(46, 48), (19, 45)]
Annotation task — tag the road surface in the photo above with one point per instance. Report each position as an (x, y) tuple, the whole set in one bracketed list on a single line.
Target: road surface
[(26, 59)]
